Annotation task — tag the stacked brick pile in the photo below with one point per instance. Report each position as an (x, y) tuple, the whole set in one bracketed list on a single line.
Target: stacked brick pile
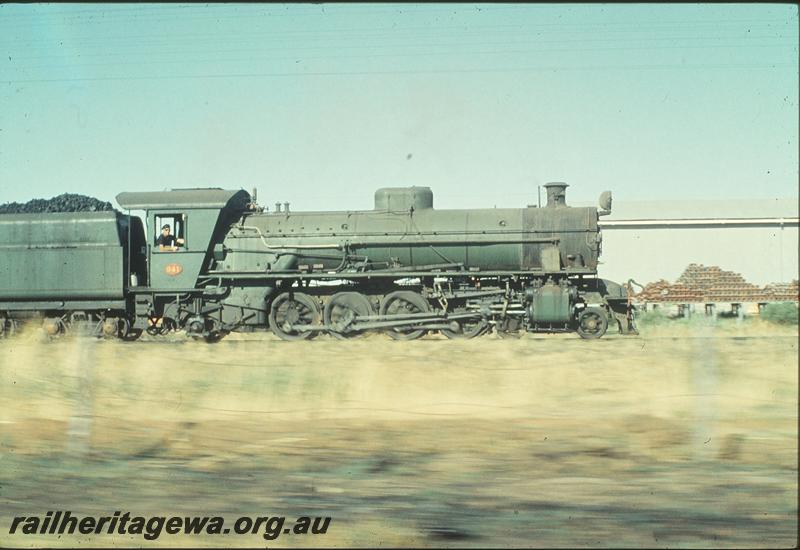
[(717, 285), (783, 292), (653, 292), (663, 291), (709, 284)]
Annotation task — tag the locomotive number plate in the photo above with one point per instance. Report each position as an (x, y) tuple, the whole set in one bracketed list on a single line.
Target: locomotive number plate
[(173, 269)]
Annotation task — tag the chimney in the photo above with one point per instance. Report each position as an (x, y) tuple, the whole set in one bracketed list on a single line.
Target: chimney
[(286, 207), (556, 194), (277, 207)]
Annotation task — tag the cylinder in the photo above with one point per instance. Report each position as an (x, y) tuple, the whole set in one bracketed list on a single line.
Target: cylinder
[(556, 194)]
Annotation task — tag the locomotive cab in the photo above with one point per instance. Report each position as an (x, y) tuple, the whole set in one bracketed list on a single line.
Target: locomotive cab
[(196, 216)]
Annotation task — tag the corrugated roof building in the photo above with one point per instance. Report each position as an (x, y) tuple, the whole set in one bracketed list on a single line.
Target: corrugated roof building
[(761, 255)]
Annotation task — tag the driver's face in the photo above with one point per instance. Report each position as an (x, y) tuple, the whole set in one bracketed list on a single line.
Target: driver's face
[(165, 231)]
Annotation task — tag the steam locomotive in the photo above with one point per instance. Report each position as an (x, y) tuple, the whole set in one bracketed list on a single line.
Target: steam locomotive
[(403, 268)]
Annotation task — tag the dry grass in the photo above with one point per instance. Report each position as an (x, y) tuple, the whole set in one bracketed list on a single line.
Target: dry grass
[(684, 436)]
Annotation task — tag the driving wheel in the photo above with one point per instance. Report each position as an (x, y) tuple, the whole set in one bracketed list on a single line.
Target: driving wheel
[(465, 328), (342, 309), (291, 309), (402, 302)]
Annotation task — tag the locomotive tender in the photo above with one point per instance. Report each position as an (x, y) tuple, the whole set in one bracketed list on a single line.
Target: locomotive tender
[(404, 268)]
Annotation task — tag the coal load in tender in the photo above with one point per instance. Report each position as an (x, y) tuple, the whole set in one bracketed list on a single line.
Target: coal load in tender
[(68, 202)]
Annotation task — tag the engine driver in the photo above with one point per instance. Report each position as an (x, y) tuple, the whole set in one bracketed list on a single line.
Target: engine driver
[(167, 241)]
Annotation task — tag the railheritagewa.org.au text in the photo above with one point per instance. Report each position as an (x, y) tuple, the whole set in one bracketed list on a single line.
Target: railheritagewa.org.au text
[(64, 522)]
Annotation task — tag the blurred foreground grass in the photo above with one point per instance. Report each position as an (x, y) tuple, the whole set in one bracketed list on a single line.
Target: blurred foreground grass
[(685, 436)]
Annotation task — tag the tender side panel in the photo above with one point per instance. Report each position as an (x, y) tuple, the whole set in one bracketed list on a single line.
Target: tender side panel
[(62, 256)]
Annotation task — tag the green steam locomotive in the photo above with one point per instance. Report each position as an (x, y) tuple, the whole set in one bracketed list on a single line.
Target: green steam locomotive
[(403, 268)]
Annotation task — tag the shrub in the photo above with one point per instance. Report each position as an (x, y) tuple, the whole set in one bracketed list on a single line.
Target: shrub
[(783, 313), (654, 317)]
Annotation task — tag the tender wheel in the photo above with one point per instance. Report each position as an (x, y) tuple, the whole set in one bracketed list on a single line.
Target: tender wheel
[(592, 323), (54, 326), (113, 327), (465, 328), (341, 309), (7, 327), (293, 308), (402, 302)]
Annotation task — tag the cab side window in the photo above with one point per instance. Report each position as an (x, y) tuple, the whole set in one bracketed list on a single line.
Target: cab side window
[(170, 233)]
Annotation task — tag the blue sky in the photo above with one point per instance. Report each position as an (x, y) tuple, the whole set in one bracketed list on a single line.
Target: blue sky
[(320, 105)]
